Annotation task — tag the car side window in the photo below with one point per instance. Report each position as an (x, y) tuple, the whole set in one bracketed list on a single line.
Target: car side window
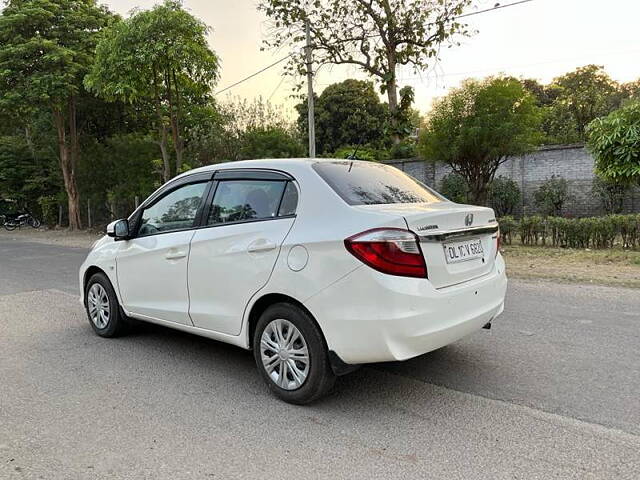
[(175, 211), (244, 200), (289, 201)]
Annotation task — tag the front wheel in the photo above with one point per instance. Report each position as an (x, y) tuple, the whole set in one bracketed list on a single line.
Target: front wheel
[(34, 222), (102, 307), (291, 355)]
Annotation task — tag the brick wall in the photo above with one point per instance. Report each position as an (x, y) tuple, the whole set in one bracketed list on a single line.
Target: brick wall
[(572, 162)]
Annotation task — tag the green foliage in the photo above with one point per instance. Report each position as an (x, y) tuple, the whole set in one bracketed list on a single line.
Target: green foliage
[(508, 227), (476, 127), (580, 97), (270, 142), (590, 232), (614, 141), (158, 59), (346, 113), (454, 187), (610, 193), (362, 152), (504, 196), (405, 149), (551, 196)]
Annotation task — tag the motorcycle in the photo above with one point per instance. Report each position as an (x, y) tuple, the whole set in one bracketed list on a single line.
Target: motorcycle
[(17, 220)]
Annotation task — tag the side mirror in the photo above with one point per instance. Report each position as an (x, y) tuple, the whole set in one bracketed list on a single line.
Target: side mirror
[(118, 229)]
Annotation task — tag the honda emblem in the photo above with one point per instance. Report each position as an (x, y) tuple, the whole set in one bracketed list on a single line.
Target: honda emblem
[(468, 220)]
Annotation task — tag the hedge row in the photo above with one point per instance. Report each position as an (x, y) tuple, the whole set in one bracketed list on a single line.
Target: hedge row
[(592, 232)]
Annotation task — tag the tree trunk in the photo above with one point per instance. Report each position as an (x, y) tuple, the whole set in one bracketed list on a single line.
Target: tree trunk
[(66, 158), (392, 96), (164, 149), (162, 129)]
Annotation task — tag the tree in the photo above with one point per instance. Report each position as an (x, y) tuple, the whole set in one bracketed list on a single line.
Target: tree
[(580, 97), (47, 47), (504, 196), (270, 142), (158, 58), (347, 113), (477, 126), (614, 141), (377, 36)]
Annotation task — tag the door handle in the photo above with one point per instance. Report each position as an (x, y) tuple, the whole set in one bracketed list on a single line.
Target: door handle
[(261, 245), (175, 254)]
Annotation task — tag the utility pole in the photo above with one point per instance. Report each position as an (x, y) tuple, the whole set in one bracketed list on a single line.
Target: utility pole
[(310, 108)]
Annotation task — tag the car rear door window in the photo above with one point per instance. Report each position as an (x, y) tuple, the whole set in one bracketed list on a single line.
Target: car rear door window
[(370, 183), (177, 210), (246, 200)]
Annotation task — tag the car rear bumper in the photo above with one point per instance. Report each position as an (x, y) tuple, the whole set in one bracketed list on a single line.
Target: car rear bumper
[(369, 317)]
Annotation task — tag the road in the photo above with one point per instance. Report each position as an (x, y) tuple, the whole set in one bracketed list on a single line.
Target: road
[(552, 391)]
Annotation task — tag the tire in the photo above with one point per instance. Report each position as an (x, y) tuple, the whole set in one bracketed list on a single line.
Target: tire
[(318, 376), (34, 222), (9, 227), (114, 323)]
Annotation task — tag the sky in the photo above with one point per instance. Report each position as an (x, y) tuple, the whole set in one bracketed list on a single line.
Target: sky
[(540, 39)]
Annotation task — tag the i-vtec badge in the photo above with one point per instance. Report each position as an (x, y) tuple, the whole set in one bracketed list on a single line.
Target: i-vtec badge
[(427, 227), (468, 220)]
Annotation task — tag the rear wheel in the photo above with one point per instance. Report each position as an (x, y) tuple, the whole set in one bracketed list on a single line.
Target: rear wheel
[(102, 307), (10, 226), (291, 354)]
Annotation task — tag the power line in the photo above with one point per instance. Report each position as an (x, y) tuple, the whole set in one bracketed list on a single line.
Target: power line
[(496, 7), (254, 74)]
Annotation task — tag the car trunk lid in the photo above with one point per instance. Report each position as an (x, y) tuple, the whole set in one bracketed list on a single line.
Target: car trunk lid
[(458, 241)]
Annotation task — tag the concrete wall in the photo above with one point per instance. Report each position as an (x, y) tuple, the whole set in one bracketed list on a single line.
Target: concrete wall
[(572, 162)]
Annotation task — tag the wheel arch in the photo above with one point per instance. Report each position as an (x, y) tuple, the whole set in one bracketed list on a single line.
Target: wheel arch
[(264, 302)]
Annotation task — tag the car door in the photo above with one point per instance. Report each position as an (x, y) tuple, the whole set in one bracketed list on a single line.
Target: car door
[(152, 266), (246, 220)]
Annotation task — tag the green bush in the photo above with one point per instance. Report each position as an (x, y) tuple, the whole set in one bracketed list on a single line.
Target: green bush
[(454, 187), (362, 152), (504, 196), (610, 193), (508, 226), (551, 196), (590, 232)]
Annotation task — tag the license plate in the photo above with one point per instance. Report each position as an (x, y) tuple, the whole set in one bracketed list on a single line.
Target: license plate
[(463, 251)]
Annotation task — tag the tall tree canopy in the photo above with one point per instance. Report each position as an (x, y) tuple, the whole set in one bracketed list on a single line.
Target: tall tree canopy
[(347, 113), (378, 36), (578, 98), (47, 48), (159, 59), (474, 128)]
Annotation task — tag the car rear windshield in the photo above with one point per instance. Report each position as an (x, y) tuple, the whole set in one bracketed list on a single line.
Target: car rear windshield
[(369, 183)]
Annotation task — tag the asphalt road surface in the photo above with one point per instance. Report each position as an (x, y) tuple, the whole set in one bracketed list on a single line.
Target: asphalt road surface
[(552, 391)]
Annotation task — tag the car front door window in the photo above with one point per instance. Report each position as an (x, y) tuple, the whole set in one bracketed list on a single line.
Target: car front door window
[(175, 211)]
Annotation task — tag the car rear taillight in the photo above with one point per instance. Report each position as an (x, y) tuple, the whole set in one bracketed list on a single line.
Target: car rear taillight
[(389, 250), (498, 242)]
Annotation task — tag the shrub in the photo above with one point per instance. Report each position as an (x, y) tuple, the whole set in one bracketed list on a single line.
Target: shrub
[(504, 196), (362, 152), (508, 226), (404, 149), (590, 232), (610, 193), (551, 196), (454, 187)]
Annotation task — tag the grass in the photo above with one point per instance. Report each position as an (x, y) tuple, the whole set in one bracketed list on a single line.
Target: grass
[(616, 266)]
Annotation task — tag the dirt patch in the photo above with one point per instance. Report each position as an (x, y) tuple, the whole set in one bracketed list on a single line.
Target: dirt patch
[(82, 239), (615, 267)]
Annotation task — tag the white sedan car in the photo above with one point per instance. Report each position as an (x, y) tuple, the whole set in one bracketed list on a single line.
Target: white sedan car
[(316, 265)]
